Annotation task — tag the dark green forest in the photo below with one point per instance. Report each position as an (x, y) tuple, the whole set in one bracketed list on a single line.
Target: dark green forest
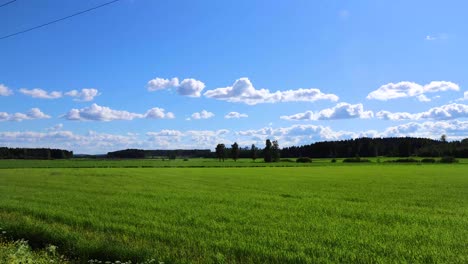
[(34, 153)]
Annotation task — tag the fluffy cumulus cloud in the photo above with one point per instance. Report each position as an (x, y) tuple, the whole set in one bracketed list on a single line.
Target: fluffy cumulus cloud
[(242, 91), (5, 91), (340, 111), (34, 113), (102, 113), (202, 115), (236, 115), (160, 84), (85, 95), (450, 111), (42, 94), (159, 113), (410, 89), (188, 87)]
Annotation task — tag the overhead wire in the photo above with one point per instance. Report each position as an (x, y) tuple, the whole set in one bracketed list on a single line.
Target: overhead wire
[(58, 20), (7, 3)]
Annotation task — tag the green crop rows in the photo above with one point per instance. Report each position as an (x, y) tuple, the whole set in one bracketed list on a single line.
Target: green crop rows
[(318, 214)]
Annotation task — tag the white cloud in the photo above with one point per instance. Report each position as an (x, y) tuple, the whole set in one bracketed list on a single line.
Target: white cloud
[(5, 91), (57, 127), (85, 95), (161, 84), (159, 113), (102, 113), (202, 115), (423, 98), (188, 87), (450, 111), (191, 87), (39, 93), (464, 98), (244, 92), (231, 115), (411, 89), (34, 113), (191, 139), (340, 111), (455, 129), (441, 36)]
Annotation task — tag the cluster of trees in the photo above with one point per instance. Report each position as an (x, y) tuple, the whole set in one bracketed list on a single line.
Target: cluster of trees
[(372, 147), (34, 153), (271, 152)]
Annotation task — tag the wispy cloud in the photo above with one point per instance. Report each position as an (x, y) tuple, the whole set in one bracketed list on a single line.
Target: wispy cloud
[(450, 111), (235, 115), (434, 37), (85, 95), (5, 91), (34, 113), (42, 94), (410, 89), (464, 98)]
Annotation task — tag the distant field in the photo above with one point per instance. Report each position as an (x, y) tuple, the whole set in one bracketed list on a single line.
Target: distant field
[(159, 163), (348, 213)]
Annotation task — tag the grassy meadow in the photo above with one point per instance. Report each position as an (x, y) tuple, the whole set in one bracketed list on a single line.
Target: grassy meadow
[(373, 213)]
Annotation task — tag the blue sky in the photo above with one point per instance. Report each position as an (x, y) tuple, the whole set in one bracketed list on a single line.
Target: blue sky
[(191, 74)]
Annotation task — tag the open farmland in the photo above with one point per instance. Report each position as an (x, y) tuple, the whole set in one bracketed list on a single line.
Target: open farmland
[(354, 213)]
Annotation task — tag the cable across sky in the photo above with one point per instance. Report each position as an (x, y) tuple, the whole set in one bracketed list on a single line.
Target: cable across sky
[(57, 20), (7, 3)]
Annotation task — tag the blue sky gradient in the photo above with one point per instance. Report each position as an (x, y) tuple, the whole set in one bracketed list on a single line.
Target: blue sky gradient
[(366, 68)]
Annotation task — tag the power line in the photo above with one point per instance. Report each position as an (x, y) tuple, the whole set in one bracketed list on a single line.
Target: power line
[(7, 3), (58, 20)]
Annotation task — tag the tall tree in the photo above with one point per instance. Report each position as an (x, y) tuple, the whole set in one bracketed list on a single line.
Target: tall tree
[(253, 152), (275, 151), (235, 151), (220, 151), (443, 138), (267, 151)]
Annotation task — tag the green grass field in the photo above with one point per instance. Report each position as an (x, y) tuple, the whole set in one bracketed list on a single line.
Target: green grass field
[(178, 163), (318, 214)]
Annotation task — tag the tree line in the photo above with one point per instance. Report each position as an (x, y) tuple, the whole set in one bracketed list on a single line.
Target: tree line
[(271, 152), (34, 153), (373, 147)]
